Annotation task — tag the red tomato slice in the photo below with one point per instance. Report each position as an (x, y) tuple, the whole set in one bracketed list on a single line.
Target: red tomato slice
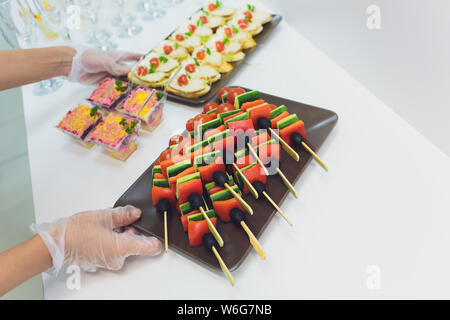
[(167, 49), (243, 23), (154, 62), (228, 32), (204, 19), (212, 7), (220, 46), (179, 37), (183, 80), (142, 71), (200, 54), (248, 14), (190, 68), (192, 28)]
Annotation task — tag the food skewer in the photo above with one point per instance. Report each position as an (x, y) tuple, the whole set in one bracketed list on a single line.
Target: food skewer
[(230, 158), (238, 217), (210, 244), (164, 206), (220, 178)]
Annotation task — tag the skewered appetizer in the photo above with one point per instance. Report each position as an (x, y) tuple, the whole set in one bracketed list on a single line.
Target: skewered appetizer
[(108, 93), (79, 122), (117, 134)]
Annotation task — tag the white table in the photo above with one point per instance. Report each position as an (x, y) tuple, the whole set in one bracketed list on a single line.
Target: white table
[(384, 203)]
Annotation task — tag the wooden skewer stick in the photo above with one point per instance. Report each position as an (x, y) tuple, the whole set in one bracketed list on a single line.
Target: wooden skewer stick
[(285, 146), (246, 182), (315, 156), (255, 155), (239, 199), (277, 208), (212, 228), (166, 242), (287, 183), (223, 266), (254, 241)]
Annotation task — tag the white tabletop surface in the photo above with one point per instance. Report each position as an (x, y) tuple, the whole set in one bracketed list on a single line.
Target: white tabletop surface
[(384, 203)]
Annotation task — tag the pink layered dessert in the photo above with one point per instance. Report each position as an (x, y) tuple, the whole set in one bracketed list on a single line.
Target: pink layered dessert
[(108, 92), (115, 131), (135, 101), (80, 121), (151, 113)]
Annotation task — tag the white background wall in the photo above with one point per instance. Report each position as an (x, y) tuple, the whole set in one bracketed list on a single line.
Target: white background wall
[(406, 63)]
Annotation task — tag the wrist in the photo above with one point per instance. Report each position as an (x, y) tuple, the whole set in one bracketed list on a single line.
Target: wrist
[(65, 59)]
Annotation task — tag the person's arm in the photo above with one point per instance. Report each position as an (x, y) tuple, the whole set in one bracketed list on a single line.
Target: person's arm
[(23, 262), (88, 240), (20, 67)]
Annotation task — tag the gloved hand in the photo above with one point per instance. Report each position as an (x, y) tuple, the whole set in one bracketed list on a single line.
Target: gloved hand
[(88, 239), (90, 66)]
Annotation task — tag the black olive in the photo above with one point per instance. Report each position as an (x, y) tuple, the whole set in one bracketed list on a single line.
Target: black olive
[(220, 178), (297, 139), (209, 241), (259, 187), (264, 123), (163, 206), (237, 216), (196, 201)]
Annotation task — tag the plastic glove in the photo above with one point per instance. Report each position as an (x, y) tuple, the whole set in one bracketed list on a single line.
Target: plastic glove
[(88, 239), (90, 66)]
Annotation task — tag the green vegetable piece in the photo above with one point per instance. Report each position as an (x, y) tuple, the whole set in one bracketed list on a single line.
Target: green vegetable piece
[(199, 216), (276, 112), (287, 121)]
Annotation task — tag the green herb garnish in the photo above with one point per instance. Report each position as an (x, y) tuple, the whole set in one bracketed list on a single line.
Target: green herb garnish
[(204, 39), (226, 40), (159, 95), (208, 51), (152, 69), (129, 130), (205, 12), (123, 122), (188, 34), (235, 29), (176, 45), (196, 62), (251, 7), (120, 87), (248, 19), (218, 4), (94, 111), (199, 23), (163, 59)]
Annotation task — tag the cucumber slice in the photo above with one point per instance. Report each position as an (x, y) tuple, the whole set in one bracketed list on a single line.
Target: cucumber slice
[(212, 111), (192, 133), (245, 97), (241, 153), (185, 208), (210, 186), (208, 125), (155, 170), (286, 122), (276, 112), (248, 167), (224, 194), (240, 117), (273, 141), (197, 146), (224, 97), (199, 216), (227, 114), (163, 183), (219, 136), (206, 158), (177, 168)]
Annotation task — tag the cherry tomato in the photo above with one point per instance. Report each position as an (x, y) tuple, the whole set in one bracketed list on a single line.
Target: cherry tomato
[(190, 125), (222, 92), (220, 46), (228, 32), (183, 80), (154, 62), (167, 49), (165, 155), (233, 94), (212, 7), (192, 28), (179, 37), (190, 68), (142, 71), (248, 14), (200, 54), (243, 23), (210, 106), (200, 119), (176, 139), (225, 107), (204, 19)]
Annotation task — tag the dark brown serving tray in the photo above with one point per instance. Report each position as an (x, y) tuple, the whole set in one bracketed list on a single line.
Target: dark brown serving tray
[(319, 123), (268, 28)]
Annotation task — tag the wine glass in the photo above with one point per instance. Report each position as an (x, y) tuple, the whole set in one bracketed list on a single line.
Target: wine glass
[(125, 21), (151, 10)]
